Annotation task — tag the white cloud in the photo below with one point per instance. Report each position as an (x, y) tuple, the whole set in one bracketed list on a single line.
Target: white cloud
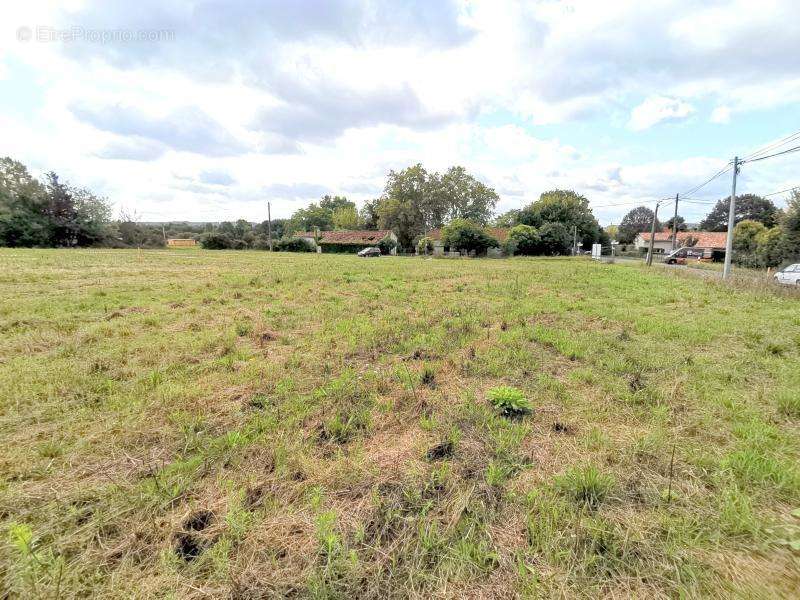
[(721, 114), (656, 109), (331, 100)]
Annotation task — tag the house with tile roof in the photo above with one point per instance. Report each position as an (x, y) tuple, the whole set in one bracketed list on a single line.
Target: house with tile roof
[(346, 240), (707, 241)]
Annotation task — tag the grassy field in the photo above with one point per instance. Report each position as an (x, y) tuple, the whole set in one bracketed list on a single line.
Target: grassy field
[(193, 424)]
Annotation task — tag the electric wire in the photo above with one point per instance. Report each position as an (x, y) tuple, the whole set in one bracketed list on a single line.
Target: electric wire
[(791, 189), (719, 173), (789, 138), (788, 151)]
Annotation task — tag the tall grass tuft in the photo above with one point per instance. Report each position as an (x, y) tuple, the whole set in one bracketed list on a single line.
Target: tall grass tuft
[(586, 486)]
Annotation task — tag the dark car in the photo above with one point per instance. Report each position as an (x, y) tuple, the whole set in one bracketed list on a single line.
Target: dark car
[(371, 251)]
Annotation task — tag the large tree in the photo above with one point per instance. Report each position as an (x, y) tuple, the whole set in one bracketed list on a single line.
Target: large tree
[(22, 207), (463, 196), (507, 219), (368, 215), (681, 223), (567, 208), (638, 220), (415, 201), (345, 217), (333, 203), (401, 217), (748, 207), (54, 214), (407, 206), (790, 226), (319, 216), (314, 216)]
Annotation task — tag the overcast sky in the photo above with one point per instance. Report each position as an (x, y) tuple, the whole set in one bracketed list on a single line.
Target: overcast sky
[(226, 104)]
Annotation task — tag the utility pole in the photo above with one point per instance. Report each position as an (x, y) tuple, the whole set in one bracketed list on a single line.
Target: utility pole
[(574, 240), (269, 226), (652, 236), (726, 270), (675, 225)]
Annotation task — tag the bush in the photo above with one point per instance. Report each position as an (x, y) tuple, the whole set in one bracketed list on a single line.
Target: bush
[(771, 250), (293, 244), (525, 240), (464, 235), (555, 238), (216, 241), (424, 245), (387, 244), (261, 242), (510, 401)]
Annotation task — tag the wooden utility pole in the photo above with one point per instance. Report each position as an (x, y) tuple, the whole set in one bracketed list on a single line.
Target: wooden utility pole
[(652, 236), (726, 270), (269, 226), (675, 225)]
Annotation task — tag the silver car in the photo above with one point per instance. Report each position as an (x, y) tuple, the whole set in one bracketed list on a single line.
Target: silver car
[(789, 275)]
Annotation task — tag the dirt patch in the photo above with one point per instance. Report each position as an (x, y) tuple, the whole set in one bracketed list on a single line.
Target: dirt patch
[(265, 336), (441, 451), (559, 427), (199, 520), (125, 311), (188, 547)]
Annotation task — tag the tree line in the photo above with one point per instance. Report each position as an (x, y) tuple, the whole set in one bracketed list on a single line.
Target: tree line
[(415, 201)]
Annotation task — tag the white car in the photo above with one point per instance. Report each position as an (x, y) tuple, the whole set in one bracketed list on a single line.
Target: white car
[(789, 275)]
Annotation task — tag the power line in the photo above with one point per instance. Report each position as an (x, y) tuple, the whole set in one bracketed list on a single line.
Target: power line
[(791, 189), (706, 202), (632, 203), (768, 147), (789, 151), (707, 181)]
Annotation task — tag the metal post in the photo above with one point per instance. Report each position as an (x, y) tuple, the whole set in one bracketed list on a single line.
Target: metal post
[(652, 236), (726, 270), (574, 240), (675, 225), (269, 226)]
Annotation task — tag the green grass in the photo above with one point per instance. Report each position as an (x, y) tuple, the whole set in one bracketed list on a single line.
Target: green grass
[(240, 424)]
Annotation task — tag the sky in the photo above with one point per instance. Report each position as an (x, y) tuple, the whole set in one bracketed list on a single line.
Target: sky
[(205, 110)]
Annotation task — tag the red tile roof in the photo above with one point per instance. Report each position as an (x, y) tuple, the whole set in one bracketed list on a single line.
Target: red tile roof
[(705, 239), (348, 236), (499, 233)]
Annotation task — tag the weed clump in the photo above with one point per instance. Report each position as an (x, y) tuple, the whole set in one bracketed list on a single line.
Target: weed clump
[(510, 401), (788, 403), (586, 486), (345, 425), (428, 377)]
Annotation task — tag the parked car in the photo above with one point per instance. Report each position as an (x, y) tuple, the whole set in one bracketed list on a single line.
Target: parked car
[(679, 256), (789, 275), (371, 251)]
